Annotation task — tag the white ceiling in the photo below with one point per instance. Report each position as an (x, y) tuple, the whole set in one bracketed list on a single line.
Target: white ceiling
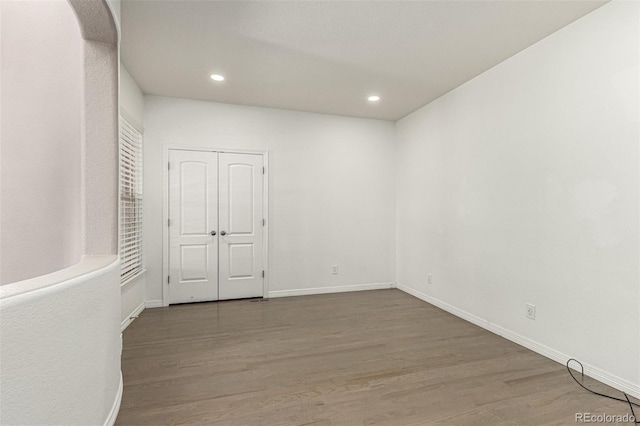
[(328, 56)]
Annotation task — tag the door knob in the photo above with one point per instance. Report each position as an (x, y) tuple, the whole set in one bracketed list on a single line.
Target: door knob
[(223, 233), (213, 233)]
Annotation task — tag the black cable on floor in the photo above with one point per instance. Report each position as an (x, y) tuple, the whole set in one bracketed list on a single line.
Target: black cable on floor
[(627, 400)]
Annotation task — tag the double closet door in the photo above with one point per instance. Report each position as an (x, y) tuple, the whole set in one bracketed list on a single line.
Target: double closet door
[(215, 226)]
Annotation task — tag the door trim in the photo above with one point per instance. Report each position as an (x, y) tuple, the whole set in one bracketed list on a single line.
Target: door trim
[(165, 211)]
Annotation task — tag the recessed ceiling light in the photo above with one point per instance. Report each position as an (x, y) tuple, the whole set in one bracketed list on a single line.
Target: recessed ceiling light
[(374, 98), (217, 77)]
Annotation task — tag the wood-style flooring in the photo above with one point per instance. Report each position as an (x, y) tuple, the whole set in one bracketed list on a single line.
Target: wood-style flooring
[(366, 358)]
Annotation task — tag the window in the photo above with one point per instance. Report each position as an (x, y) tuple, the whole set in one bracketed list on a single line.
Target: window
[(130, 201)]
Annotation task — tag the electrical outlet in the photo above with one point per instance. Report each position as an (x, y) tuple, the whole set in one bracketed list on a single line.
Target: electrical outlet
[(429, 279), (531, 311), (334, 269)]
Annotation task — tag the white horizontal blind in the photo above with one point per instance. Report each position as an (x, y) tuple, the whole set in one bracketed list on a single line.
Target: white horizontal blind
[(130, 200)]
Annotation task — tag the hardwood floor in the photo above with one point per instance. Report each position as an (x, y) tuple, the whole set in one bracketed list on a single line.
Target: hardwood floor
[(373, 357)]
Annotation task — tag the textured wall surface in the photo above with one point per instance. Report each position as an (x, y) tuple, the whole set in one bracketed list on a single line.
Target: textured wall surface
[(60, 331), (60, 350)]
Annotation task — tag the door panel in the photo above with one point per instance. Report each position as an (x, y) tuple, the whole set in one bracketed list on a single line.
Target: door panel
[(241, 260), (240, 210), (241, 193), (193, 213), (193, 195), (193, 262)]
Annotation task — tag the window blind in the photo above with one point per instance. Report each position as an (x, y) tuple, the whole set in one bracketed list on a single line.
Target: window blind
[(130, 200)]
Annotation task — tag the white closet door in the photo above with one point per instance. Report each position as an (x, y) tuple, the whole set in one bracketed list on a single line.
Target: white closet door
[(193, 215), (241, 226)]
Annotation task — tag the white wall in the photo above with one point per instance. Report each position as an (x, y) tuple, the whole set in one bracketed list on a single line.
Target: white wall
[(131, 99), (115, 7), (521, 186), (40, 150), (331, 187), (132, 107)]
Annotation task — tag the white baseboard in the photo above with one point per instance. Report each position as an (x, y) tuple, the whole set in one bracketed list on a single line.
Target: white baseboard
[(115, 408), (591, 371), (324, 290), (153, 304), (128, 320)]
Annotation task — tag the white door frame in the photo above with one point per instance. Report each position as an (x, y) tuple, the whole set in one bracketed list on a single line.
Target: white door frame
[(165, 212)]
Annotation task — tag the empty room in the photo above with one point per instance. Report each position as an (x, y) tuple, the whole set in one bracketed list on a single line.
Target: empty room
[(319, 212)]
